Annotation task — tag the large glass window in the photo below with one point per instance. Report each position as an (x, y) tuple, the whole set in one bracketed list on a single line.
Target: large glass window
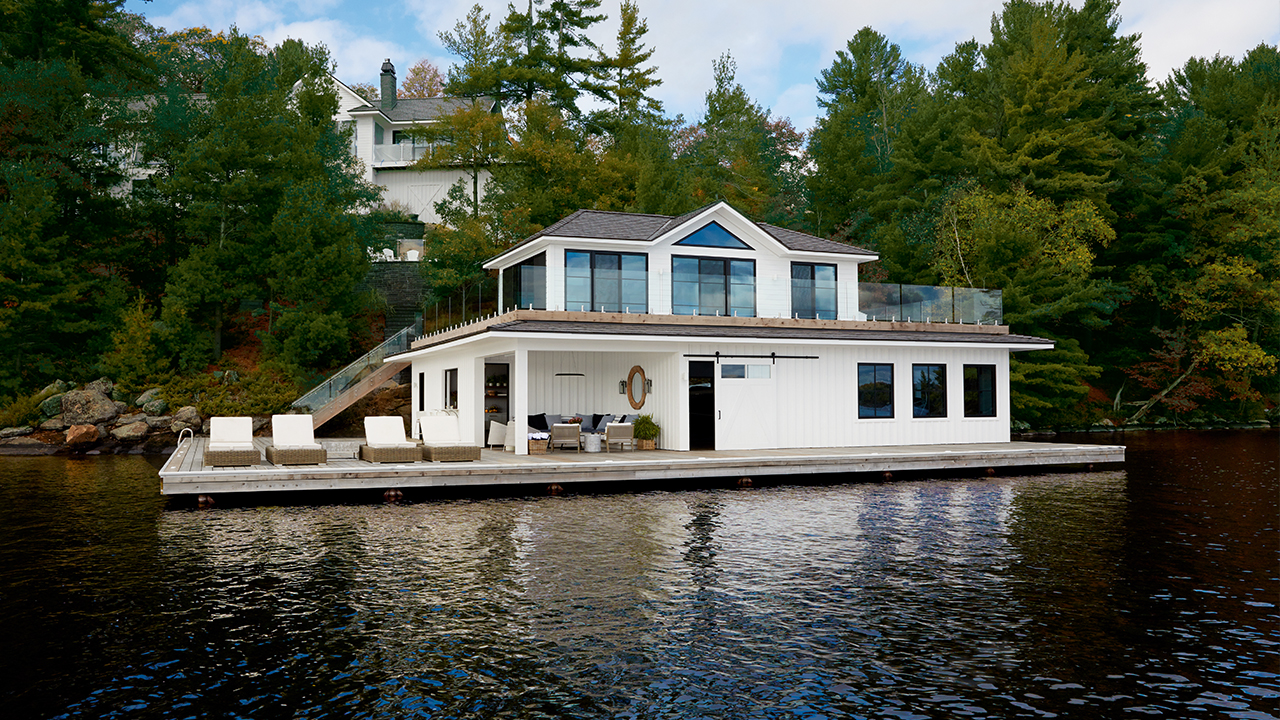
[(606, 282), (875, 390), (714, 235), (525, 285), (929, 391), (979, 390), (713, 286), (813, 291)]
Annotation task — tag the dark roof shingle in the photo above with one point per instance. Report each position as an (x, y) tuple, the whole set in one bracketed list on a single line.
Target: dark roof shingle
[(612, 225)]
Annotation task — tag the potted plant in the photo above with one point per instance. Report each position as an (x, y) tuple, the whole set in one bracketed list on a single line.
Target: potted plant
[(646, 432)]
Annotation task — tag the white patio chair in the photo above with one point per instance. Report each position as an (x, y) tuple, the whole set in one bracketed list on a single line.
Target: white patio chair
[(497, 434), (385, 441), (231, 442), (442, 439), (293, 441), (621, 433)]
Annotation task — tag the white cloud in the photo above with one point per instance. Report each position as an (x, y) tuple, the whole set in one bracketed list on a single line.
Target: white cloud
[(357, 56), (797, 103), (249, 17), (1173, 31)]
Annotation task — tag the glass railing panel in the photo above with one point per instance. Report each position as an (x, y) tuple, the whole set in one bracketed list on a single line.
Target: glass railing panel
[(880, 301), (926, 303), (978, 305), (327, 391)]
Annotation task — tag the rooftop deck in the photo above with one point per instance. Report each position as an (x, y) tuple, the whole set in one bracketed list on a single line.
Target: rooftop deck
[(185, 472)]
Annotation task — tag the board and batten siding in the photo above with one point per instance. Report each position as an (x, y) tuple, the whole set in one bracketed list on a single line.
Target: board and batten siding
[(805, 403), (814, 403), (596, 391)]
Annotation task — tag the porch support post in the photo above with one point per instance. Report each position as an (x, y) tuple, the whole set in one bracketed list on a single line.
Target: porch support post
[(518, 394)]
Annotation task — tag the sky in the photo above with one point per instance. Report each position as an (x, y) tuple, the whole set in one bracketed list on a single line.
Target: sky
[(780, 46)]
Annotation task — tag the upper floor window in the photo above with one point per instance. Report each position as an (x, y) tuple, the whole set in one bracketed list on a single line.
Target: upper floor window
[(929, 390), (713, 286), (979, 390), (606, 282), (713, 235), (813, 291), (525, 285)]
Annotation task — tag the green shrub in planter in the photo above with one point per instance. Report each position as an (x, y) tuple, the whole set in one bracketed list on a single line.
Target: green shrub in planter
[(644, 428)]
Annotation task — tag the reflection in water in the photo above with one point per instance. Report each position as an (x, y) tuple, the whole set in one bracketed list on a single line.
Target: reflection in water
[(1151, 591)]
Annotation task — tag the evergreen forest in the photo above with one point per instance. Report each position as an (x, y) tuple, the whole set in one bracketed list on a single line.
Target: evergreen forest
[(1136, 222)]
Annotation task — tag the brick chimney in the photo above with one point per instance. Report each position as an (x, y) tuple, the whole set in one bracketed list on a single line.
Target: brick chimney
[(388, 94)]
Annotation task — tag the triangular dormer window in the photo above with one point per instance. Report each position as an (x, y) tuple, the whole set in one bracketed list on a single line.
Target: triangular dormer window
[(713, 235)]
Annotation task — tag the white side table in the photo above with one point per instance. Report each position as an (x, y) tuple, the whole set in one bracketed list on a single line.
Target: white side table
[(591, 442)]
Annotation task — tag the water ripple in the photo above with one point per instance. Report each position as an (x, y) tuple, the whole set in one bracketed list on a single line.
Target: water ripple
[(1114, 594)]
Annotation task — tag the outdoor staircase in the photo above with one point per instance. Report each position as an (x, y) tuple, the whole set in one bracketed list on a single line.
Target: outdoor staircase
[(358, 379)]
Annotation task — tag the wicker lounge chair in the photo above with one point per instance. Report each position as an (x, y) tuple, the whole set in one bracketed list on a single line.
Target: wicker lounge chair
[(293, 441), (231, 442), (441, 440), (563, 434), (385, 441), (621, 433)]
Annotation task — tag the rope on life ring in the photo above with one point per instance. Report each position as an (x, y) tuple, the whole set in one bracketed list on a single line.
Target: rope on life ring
[(631, 387)]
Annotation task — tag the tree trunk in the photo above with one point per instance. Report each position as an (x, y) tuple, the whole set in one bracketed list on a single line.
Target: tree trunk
[(217, 331), (1160, 395)]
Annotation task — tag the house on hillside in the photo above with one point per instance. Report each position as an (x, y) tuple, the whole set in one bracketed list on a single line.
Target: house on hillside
[(732, 334), (381, 139)]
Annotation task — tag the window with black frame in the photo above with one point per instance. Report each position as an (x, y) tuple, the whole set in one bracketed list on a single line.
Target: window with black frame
[(451, 389), (525, 285), (929, 391), (713, 286), (979, 390), (813, 291), (606, 281), (875, 390)]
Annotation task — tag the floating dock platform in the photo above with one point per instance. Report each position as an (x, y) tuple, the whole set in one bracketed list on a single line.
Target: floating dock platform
[(185, 472)]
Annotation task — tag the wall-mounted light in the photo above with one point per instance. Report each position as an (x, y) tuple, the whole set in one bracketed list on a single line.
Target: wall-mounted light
[(622, 387)]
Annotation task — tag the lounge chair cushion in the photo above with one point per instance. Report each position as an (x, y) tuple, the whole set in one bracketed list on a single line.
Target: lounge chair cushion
[(230, 433), (385, 432), (599, 422), (440, 430), (293, 432), (539, 422)]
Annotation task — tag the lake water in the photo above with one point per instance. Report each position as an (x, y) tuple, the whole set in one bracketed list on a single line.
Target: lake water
[(1146, 591)]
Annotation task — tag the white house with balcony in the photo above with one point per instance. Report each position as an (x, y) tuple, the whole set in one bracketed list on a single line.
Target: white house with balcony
[(732, 334), (381, 139)]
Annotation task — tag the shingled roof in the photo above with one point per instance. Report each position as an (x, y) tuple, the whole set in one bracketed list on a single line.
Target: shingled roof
[(423, 109), (611, 225)]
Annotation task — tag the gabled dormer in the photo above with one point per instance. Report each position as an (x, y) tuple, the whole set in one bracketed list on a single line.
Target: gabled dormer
[(710, 262)]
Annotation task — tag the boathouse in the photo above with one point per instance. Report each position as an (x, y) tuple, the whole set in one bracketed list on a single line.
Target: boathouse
[(731, 334)]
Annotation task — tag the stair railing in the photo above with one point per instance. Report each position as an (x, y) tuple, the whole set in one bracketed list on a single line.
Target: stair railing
[(329, 390)]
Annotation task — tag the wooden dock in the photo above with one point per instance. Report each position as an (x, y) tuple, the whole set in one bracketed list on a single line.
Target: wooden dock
[(185, 473)]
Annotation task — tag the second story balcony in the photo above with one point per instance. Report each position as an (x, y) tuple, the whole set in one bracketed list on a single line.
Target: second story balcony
[(726, 290), (399, 153)]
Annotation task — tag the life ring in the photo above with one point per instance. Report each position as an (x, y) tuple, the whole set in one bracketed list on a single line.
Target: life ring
[(631, 387)]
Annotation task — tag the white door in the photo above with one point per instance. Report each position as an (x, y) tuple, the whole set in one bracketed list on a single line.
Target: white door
[(746, 406)]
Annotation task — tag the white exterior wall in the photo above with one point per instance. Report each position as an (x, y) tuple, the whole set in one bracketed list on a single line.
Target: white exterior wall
[(422, 189), (804, 403)]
